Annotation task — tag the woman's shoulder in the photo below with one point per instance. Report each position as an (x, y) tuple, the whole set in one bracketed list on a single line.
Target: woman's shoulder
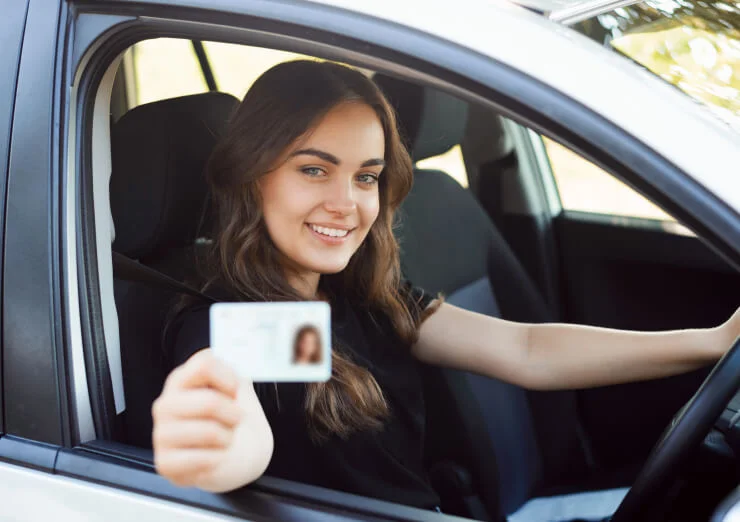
[(415, 296), (419, 302)]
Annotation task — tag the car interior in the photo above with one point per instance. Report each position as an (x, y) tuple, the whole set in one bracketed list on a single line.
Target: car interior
[(492, 245)]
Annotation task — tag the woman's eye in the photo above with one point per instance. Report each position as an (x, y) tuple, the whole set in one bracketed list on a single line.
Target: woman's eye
[(312, 171), (368, 179)]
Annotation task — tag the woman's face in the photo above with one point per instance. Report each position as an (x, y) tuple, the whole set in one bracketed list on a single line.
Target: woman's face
[(320, 203), (308, 347)]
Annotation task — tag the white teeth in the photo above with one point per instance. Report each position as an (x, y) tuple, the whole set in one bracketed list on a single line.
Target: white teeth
[(331, 232)]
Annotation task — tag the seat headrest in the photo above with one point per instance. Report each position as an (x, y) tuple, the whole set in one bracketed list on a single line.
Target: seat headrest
[(431, 121), (158, 187)]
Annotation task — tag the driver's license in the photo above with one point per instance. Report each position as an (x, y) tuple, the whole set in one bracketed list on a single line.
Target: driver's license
[(274, 342)]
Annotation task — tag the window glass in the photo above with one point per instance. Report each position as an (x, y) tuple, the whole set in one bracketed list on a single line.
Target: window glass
[(164, 68), (235, 67), (169, 67), (450, 162), (692, 44), (585, 187)]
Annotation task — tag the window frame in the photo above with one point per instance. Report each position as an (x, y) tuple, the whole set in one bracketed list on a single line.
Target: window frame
[(364, 41)]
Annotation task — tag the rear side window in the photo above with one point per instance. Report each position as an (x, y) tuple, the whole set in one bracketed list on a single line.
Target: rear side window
[(584, 187), (164, 68), (450, 162)]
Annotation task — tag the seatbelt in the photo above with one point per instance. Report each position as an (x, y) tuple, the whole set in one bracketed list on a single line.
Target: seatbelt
[(129, 270)]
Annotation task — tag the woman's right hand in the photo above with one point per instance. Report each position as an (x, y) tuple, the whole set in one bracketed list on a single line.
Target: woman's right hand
[(209, 428)]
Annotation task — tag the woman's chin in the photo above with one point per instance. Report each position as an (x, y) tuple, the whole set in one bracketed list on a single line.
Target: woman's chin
[(330, 268)]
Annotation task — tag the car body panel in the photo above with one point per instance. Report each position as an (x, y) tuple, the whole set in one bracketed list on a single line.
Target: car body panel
[(31, 291), (67, 499), (12, 26), (268, 498)]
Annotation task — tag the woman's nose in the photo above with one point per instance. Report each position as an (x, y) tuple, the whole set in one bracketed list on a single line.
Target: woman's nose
[(341, 197)]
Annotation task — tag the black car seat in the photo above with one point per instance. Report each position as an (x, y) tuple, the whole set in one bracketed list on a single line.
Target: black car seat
[(487, 440), (157, 190)]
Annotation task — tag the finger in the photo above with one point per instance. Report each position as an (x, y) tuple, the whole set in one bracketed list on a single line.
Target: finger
[(183, 467), (191, 434), (198, 404), (204, 370)]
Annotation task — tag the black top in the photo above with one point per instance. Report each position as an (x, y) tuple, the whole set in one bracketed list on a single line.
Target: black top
[(385, 464)]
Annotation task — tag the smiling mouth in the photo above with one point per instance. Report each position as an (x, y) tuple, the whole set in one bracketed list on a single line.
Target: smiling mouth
[(338, 233)]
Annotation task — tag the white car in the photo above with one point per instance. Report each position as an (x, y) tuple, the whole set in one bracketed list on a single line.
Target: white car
[(108, 110)]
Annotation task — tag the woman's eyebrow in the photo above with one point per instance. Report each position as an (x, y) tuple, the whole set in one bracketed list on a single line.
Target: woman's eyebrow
[(331, 158), (373, 162)]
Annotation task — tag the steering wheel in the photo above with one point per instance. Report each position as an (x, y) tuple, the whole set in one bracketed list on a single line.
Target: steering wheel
[(685, 432)]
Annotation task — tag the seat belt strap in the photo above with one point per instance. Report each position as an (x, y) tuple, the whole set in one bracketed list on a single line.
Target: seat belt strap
[(129, 270)]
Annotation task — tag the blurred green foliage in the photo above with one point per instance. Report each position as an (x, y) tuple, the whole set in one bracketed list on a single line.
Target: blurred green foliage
[(692, 44)]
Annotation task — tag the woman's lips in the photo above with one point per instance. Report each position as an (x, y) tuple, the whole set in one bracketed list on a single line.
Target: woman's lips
[(330, 240)]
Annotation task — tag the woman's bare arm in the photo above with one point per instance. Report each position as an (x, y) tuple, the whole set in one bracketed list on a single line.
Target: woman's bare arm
[(209, 428), (558, 356)]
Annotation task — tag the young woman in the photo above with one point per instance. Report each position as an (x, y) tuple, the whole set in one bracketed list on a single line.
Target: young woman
[(305, 183)]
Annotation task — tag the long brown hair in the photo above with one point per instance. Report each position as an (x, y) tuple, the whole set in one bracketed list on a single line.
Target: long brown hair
[(283, 105)]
